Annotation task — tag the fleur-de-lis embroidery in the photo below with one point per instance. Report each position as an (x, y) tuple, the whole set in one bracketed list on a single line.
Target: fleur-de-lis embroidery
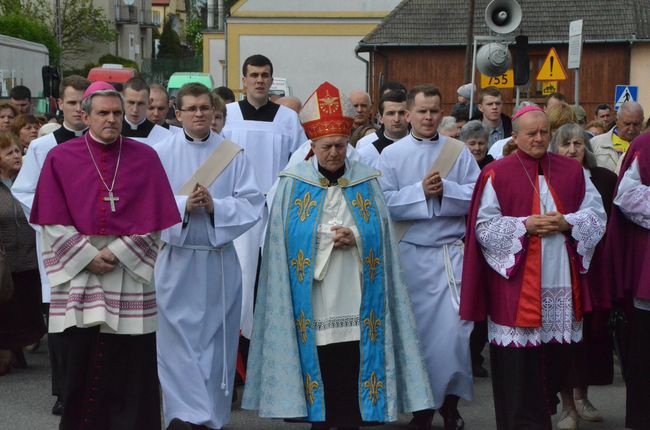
[(328, 103), (310, 389), (373, 386), (302, 325), (373, 324), (363, 206), (372, 263), (300, 263), (304, 206)]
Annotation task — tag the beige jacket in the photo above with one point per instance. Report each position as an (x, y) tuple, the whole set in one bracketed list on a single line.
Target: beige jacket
[(604, 151)]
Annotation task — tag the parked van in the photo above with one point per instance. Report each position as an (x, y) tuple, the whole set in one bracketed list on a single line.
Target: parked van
[(114, 74), (178, 79)]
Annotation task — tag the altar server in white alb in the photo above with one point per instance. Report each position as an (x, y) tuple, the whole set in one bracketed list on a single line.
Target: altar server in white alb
[(428, 180), (136, 95), (269, 133), (198, 279)]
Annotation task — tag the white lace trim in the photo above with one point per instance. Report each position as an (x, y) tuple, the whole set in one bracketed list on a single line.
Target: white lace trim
[(558, 323), (587, 230), (500, 240), (636, 206)]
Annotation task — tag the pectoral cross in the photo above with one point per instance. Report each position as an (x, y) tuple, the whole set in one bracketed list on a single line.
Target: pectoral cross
[(111, 200)]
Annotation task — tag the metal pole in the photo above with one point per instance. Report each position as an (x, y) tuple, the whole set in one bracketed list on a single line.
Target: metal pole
[(57, 16), (517, 98), (576, 88), (471, 99)]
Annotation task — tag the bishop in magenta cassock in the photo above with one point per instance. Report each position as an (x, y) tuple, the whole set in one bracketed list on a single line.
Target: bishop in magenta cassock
[(534, 222), (628, 241), (101, 201)]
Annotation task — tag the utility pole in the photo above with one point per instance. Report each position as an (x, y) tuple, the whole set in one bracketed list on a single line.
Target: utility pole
[(468, 42), (57, 24)]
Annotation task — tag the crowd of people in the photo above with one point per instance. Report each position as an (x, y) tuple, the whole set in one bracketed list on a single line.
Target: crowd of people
[(343, 267)]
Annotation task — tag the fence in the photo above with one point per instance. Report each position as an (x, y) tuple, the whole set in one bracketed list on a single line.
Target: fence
[(160, 69)]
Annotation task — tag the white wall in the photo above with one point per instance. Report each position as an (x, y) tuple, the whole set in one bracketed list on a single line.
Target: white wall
[(24, 59), (639, 67), (217, 52), (297, 59)]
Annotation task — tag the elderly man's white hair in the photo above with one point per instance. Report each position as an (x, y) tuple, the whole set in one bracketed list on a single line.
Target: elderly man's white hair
[(631, 107)]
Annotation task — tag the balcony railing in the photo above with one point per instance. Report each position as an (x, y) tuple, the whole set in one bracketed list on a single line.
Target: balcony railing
[(146, 18), (126, 14)]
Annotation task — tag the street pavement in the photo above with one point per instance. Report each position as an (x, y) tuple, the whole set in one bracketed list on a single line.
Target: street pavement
[(25, 403)]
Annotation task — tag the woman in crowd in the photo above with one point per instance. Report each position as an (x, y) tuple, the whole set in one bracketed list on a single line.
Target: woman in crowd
[(448, 127), (558, 115), (7, 115), (219, 113), (475, 136), (21, 322), (594, 361), (25, 128)]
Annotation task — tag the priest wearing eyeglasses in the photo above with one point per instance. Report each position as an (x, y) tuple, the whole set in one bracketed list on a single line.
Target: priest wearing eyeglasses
[(101, 201)]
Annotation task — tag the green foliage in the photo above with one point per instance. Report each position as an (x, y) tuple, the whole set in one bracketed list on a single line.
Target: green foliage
[(114, 59), (170, 42), (194, 33), (80, 71), (83, 26), (22, 27)]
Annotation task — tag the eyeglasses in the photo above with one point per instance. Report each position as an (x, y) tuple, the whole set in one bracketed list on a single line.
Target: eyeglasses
[(194, 109)]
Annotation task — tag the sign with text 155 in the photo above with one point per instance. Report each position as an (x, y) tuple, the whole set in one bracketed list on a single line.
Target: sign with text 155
[(507, 80)]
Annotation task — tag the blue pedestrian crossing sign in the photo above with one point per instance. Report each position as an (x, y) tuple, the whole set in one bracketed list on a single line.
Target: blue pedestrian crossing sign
[(625, 93)]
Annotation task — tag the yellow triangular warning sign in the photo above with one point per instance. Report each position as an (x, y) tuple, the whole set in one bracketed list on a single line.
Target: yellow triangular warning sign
[(552, 69)]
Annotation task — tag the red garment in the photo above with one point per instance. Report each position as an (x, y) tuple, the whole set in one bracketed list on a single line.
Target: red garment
[(628, 244), (70, 191), (517, 301)]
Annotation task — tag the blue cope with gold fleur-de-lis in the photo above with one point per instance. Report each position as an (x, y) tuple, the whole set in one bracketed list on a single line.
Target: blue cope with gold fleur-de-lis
[(303, 217)]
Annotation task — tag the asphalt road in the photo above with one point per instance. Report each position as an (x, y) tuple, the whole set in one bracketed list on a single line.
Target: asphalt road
[(25, 403)]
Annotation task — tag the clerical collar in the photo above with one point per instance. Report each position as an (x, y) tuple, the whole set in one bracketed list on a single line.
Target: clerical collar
[(63, 134), (134, 126), (422, 139), (265, 112), (141, 130), (191, 139), (332, 177), (382, 142), (389, 138), (77, 133), (100, 142)]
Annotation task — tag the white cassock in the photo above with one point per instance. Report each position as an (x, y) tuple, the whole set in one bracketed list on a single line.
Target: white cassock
[(369, 155), (198, 285), (431, 254), (24, 188), (367, 140), (558, 320), (145, 133), (268, 146), (496, 150)]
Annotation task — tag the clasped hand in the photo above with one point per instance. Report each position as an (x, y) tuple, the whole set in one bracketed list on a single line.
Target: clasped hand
[(343, 237), (432, 184), (547, 224), (104, 262), (200, 198)]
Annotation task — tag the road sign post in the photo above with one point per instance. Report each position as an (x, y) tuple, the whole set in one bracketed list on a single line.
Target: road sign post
[(625, 93), (575, 53)]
